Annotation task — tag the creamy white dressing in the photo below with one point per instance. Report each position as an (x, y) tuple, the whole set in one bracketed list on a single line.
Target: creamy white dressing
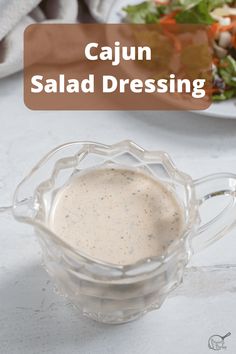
[(117, 215)]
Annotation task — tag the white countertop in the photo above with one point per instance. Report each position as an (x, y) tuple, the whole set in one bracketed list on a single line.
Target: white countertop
[(35, 320)]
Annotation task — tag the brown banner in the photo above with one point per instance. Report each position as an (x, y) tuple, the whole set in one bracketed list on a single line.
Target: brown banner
[(117, 67)]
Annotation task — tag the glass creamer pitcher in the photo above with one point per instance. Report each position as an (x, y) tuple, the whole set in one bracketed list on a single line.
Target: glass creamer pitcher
[(112, 293)]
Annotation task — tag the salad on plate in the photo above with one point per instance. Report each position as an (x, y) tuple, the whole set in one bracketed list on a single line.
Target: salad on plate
[(219, 15)]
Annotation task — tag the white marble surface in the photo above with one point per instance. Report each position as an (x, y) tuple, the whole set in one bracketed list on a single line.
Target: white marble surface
[(33, 319)]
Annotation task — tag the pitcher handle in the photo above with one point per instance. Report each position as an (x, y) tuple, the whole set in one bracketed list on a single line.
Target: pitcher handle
[(210, 187)]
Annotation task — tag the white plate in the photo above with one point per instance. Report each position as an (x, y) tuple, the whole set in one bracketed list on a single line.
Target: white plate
[(226, 109)]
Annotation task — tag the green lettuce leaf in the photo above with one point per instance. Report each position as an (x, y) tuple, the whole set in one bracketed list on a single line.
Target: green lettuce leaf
[(198, 11), (227, 71), (198, 14), (188, 4), (145, 12), (226, 95), (211, 4), (191, 11)]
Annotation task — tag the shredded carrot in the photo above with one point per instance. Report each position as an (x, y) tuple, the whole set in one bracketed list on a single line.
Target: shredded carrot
[(174, 39), (223, 65), (216, 61), (214, 29), (168, 21), (234, 40), (166, 18), (229, 27)]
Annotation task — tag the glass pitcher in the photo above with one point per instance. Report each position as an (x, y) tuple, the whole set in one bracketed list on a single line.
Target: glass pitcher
[(112, 293)]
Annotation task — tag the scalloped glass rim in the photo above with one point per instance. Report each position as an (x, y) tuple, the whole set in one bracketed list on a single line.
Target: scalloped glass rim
[(109, 150)]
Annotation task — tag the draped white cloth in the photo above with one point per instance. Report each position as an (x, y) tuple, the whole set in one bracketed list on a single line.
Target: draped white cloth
[(16, 15)]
